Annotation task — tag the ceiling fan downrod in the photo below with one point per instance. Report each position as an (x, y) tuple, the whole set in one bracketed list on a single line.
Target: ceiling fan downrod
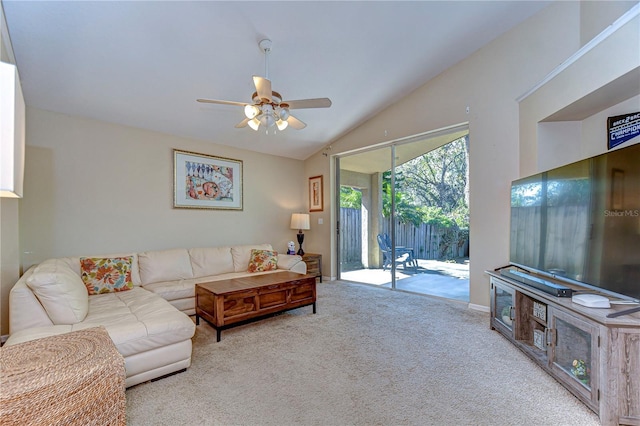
[(267, 107), (265, 45)]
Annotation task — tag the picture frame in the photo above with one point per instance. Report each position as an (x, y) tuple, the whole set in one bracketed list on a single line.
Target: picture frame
[(316, 194), (202, 181)]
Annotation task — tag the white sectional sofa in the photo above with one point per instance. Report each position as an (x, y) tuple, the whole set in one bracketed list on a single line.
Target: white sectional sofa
[(148, 323)]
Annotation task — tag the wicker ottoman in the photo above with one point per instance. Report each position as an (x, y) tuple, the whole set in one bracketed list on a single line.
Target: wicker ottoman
[(75, 378)]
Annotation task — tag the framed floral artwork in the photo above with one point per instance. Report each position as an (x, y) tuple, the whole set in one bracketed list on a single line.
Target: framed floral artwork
[(316, 203), (202, 181)]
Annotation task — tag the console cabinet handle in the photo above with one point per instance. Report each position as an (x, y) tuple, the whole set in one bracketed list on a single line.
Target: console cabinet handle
[(549, 336)]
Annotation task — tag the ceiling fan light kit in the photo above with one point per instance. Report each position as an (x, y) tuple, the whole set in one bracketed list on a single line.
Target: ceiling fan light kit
[(250, 111), (268, 109)]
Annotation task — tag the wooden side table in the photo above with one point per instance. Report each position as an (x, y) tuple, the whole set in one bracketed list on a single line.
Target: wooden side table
[(314, 264)]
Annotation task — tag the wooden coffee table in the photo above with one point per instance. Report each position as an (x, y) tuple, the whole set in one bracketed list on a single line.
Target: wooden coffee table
[(235, 301)]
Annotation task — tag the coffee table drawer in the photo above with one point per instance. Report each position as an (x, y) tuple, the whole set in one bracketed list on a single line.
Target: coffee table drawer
[(239, 304), (302, 292), (273, 298)]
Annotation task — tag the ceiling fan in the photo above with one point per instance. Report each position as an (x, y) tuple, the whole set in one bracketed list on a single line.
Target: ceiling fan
[(267, 107)]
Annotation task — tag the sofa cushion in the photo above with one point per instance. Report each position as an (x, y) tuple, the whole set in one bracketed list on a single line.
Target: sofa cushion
[(211, 261), (287, 261), (25, 310), (263, 260), (241, 255), (74, 263), (164, 265), (34, 333), (171, 290), (60, 291), (106, 274), (138, 320)]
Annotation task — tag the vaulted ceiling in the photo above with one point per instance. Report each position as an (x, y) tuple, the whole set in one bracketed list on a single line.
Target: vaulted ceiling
[(143, 64)]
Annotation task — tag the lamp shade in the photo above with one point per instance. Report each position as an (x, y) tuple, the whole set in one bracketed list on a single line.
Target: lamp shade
[(254, 123), (281, 124), (251, 111), (300, 221), (12, 132)]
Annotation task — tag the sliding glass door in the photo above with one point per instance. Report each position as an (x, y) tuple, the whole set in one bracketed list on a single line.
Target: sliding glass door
[(403, 215), (364, 255)]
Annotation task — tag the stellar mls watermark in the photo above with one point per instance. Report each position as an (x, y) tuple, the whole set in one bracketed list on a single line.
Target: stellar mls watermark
[(622, 213)]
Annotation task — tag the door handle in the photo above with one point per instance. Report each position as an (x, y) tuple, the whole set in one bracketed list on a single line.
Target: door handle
[(550, 336)]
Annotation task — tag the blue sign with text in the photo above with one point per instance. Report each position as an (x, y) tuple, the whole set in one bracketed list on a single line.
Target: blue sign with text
[(621, 128)]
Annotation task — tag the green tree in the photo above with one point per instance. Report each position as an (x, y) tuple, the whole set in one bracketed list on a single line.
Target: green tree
[(350, 198), (406, 210), (432, 188), (439, 178)]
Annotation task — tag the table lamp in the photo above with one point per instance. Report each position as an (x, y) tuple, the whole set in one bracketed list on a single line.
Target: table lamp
[(300, 221)]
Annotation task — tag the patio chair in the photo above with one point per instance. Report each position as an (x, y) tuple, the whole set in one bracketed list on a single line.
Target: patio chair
[(404, 255), (401, 250)]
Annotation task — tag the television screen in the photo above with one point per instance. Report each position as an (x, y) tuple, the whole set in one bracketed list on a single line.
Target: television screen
[(581, 222)]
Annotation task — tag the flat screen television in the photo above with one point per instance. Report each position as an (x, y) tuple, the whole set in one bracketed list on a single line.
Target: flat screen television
[(580, 223)]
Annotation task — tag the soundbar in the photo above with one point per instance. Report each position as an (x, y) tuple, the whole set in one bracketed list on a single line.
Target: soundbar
[(543, 285)]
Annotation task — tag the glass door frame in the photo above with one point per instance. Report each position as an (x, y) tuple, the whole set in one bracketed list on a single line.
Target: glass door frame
[(392, 225), (433, 135), (392, 219)]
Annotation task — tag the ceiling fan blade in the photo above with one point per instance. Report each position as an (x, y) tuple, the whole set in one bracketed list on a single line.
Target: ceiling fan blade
[(263, 87), (242, 124), (216, 101), (295, 123), (308, 103)]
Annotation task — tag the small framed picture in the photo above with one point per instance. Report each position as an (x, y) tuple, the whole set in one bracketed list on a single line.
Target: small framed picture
[(316, 203), (202, 181)]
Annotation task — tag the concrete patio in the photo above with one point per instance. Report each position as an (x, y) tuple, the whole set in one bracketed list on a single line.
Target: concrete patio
[(442, 279)]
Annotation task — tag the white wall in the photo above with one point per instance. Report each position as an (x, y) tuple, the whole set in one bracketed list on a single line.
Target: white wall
[(9, 238), (582, 88), (488, 83), (9, 256), (93, 188), (565, 142), (595, 16)]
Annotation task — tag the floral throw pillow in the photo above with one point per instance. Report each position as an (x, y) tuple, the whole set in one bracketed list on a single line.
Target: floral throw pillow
[(106, 275), (263, 260)]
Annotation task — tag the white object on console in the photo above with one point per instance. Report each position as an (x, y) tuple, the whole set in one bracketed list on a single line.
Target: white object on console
[(591, 300)]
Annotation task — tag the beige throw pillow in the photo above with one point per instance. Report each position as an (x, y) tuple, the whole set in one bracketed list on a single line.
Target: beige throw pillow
[(61, 292)]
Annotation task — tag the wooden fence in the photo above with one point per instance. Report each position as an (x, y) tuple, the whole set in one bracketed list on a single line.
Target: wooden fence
[(427, 241), (569, 224)]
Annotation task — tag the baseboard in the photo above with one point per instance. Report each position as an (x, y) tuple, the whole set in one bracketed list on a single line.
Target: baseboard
[(481, 308), (3, 339)]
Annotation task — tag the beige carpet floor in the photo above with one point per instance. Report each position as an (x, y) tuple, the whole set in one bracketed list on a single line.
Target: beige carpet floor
[(370, 356)]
